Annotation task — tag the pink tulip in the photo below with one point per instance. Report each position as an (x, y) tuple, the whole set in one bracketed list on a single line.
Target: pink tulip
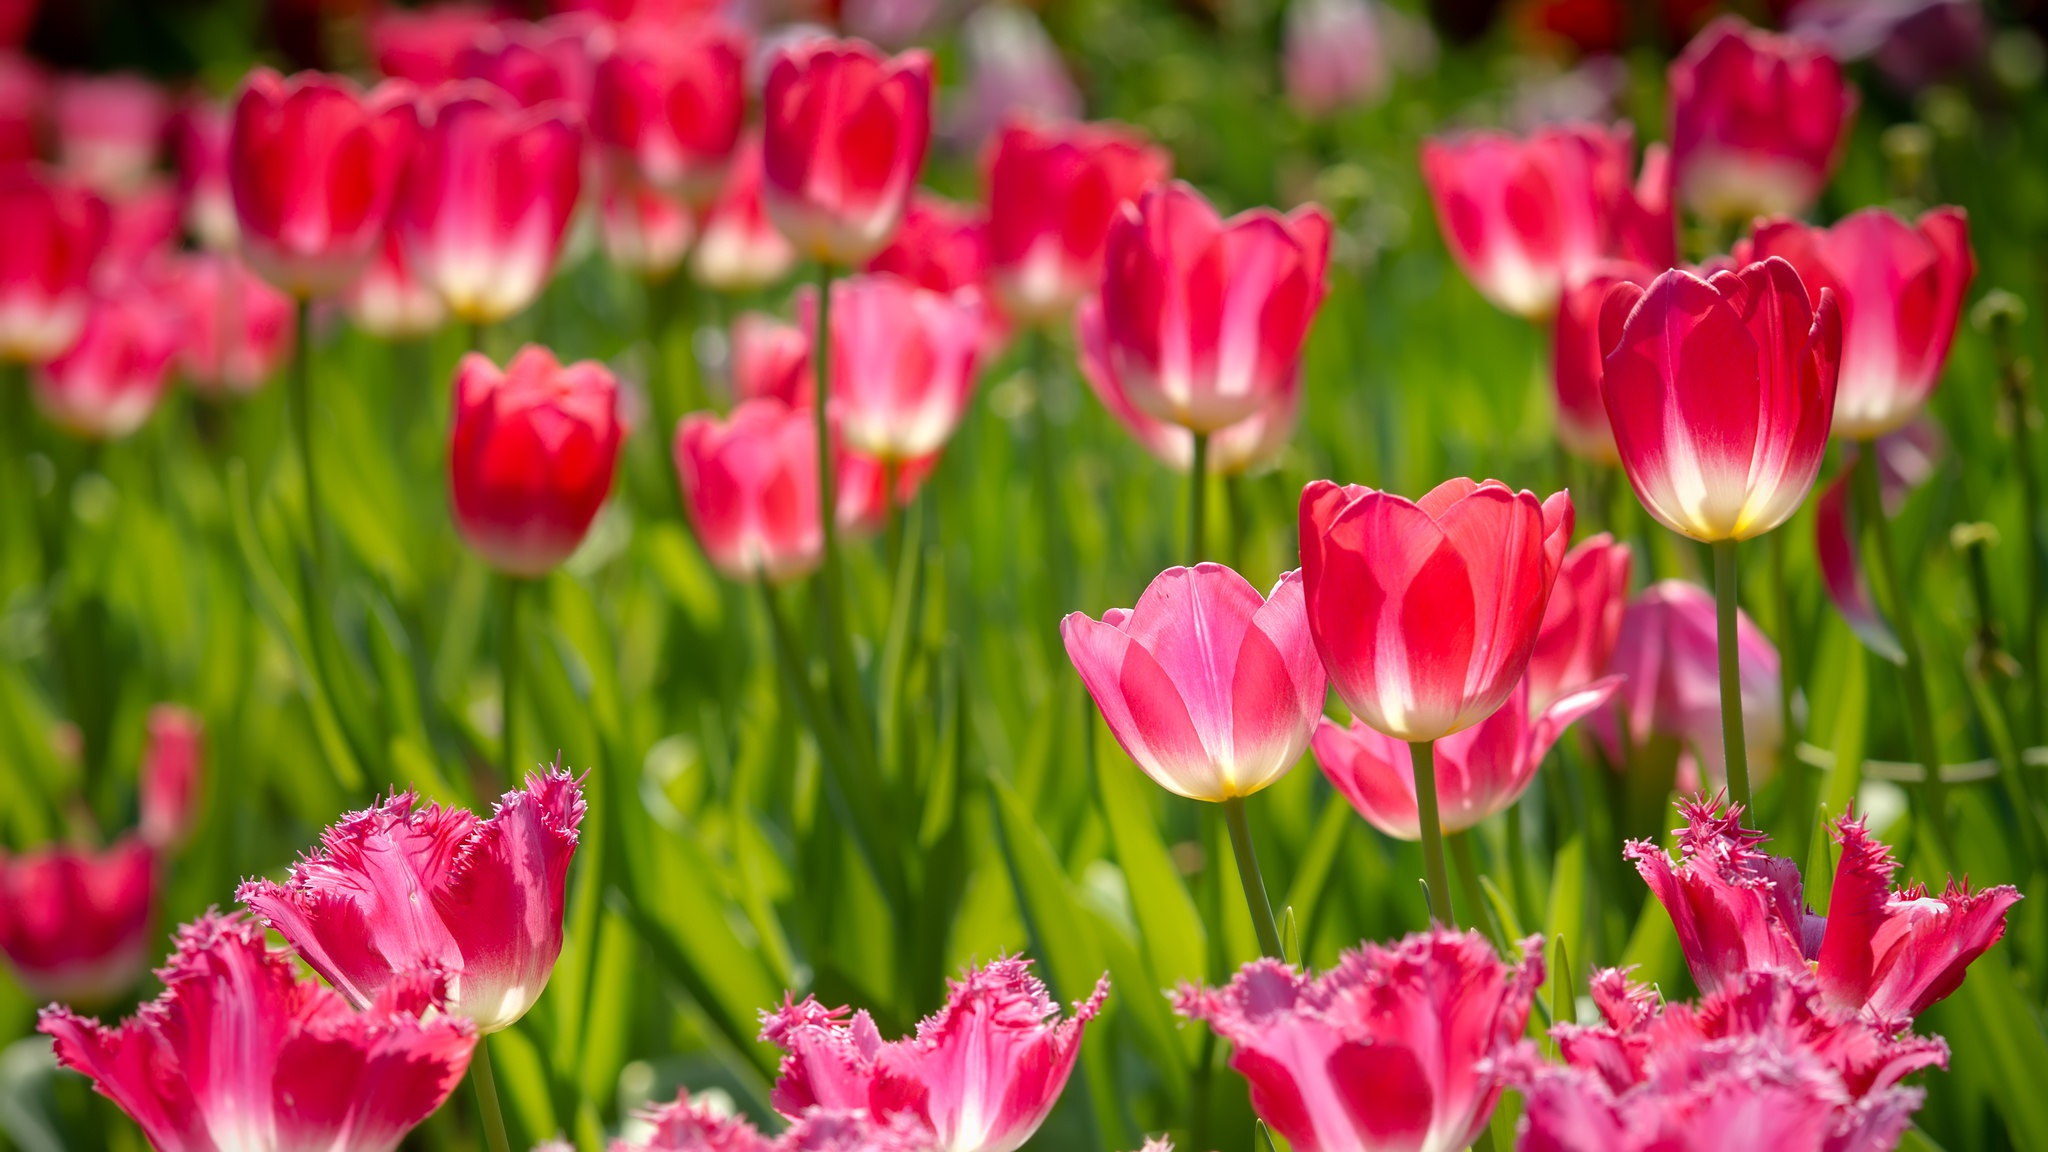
[(401, 887), (844, 138), (1426, 612), (1720, 393), (1757, 121), (532, 455), (238, 1052), (1052, 194), (750, 486), (109, 129), (903, 362), (941, 246), (143, 228), (771, 358), (388, 301), (862, 493), (1210, 688), (1527, 219), (74, 923), (646, 231), (1578, 361), (1582, 621), (200, 142), (1479, 772), (315, 168), (672, 100), (534, 64), (1246, 446), (423, 45), (1900, 287), (24, 100), (55, 232), (980, 1076), (238, 330), (1386, 1050), (487, 198), (740, 250), (1334, 56), (172, 762), (106, 385)]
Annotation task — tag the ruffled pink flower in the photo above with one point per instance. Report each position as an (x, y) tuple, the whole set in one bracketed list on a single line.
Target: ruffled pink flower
[(671, 99), (903, 362), (1390, 1049), (401, 887), (109, 129), (1582, 621), (239, 1053), (238, 330), (1527, 219), (172, 761), (683, 1126), (1578, 361), (55, 232), (388, 301), (646, 231), (108, 383), (1757, 121), (1205, 318), (422, 45), (1426, 612), (1213, 690), (74, 923), (771, 358), (980, 1075), (199, 139), (740, 249), (1479, 771)]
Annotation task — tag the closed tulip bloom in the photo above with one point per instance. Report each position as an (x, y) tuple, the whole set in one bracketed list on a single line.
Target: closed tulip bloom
[(1582, 621), (1479, 771), (1578, 361), (24, 98), (488, 194), (1721, 392), (109, 129), (532, 456), (1386, 1050), (672, 101), (903, 362), (941, 246), (1053, 191), (1426, 612), (740, 249), (1757, 121), (1528, 218), (1212, 689), (55, 232), (555, 59), (750, 487), (1333, 56), (402, 886), (1205, 318), (239, 1053), (771, 358), (844, 135), (200, 143), (106, 385), (171, 764), (423, 45), (388, 301), (238, 330), (1900, 287), (646, 231), (315, 166), (74, 923)]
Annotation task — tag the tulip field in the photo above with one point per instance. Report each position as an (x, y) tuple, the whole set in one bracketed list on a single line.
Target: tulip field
[(1067, 575)]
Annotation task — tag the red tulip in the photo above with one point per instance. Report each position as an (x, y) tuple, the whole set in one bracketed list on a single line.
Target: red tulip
[(1334, 56), (1383, 1051), (1582, 621), (1900, 287), (903, 362), (1527, 219), (487, 198), (750, 486), (555, 59), (980, 1076), (238, 330), (1052, 193), (106, 385), (844, 136), (740, 249), (315, 168), (200, 142), (1426, 612), (671, 100), (398, 887), (238, 1052), (1720, 392), (771, 358), (109, 129), (24, 98), (646, 231), (1479, 771), (1577, 359), (55, 231), (1757, 121), (422, 45), (1211, 688), (171, 765), (388, 301), (532, 456), (941, 246), (74, 923)]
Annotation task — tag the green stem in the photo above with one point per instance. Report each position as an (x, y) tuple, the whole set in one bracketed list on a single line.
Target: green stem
[(1248, 875), (302, 431), (1434, 875), (486, 1085), (508, 678), (821, 363), (1198, 490), (1733, 748), (479, 334), (892, 520), (1239, 517)]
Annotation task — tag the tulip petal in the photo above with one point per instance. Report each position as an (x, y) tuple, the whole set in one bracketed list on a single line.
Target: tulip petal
[(1141, 705)]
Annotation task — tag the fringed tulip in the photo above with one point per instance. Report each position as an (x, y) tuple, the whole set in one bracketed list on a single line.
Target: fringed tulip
[(1721, 392), (740, 249), (672, 100), (1582, 621), (1757, 121), (106, 385), (532, 455), (24, 98), (388, 301), (1333, 56), (979, 1076), (487, 198), (555, 59), (1578, 361), (239, 1053), (844, 137), (1052, 193), (1900, 287), (942, 246), (315, 167), (200, 142), (423, 45), (238, 330), (771, 358), (686, 1126), (903, 362), (401, 887), (1426, 612), (1392, 1048), (1213, 690), (1479, 772), (1527, 219), (55, 232), (1205, 318), (171, 764), (74, 923), (646, 231), (109, 129)]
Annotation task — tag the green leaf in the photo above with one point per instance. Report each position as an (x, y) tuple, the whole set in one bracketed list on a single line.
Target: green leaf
[(2009, 1023), (1176, 945), (522, 1083), (1312, 874)]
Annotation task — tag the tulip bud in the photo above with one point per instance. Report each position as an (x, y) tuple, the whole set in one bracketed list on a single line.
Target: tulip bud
[(170, 783)]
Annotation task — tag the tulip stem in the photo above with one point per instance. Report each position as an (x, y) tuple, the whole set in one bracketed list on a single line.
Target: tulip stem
[(1434, 874), (1733, 748), (1248, 875), (892, 520), (1198, 491), (486, 1085), (508, 679)]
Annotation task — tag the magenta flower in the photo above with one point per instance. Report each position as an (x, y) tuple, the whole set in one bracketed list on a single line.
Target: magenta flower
[(398, 887), (108, 383), (903, 362), (1582, 621), (1757, 121), (1389, 1049), (771, 358), (172, 763), (74, 924), (1578, 361), (238, 1053)]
